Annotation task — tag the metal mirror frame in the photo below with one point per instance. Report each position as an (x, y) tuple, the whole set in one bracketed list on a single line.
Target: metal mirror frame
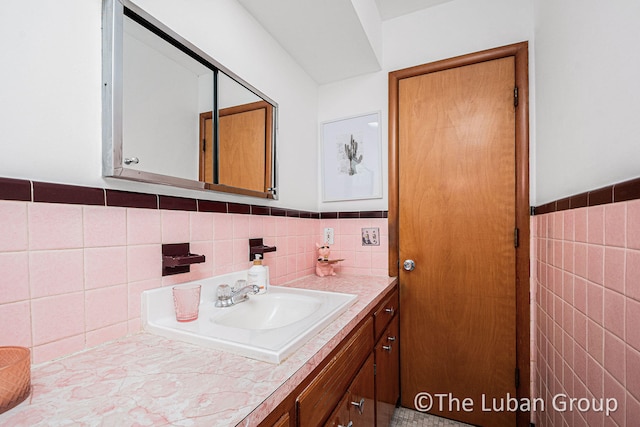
[(112, 104)]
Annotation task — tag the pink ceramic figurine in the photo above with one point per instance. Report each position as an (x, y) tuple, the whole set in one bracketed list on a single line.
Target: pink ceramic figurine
[(323, 266)]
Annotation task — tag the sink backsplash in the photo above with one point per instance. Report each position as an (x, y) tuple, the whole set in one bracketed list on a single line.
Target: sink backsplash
[(73, 274)]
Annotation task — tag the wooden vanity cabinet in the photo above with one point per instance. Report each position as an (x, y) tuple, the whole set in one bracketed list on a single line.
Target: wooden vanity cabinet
[(318, 400), (360, 369)]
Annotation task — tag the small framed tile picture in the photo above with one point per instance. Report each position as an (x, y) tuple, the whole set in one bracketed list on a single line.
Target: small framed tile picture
[(371, 236)]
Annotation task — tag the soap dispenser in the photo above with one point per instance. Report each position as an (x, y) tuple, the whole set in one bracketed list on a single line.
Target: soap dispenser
[(257, 275)]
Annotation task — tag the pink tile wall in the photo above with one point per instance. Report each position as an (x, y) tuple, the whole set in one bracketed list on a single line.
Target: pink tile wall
[(358, 259), (72, 275), (587, 313)]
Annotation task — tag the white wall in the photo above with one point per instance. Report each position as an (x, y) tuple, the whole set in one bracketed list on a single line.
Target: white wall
[(587, 61), (451, 29), (50, 126)]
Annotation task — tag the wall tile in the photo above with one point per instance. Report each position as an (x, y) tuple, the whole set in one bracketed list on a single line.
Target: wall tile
[(633, 372), (15, 324), (135, 290), (57, 317), (175, 226), (632, 275), (595, 300), (105, 266), (144, 262), (595, 223), (241, 226), (633, 224), (103, 335), (614, 390), (595, 264), (57, 349), (54, 226), (614, 269), (632, 316), (13, 226), (56, 272), (223, 252), (580, 225), (632, 409), (614, 357), (614, 303), (106, 306), (104, 226), (14, 284), (615, 216), (201, 226), (143, 227), (222, 227), (568, 225)]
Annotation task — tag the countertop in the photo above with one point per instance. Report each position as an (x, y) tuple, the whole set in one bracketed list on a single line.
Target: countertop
[(147, 380)]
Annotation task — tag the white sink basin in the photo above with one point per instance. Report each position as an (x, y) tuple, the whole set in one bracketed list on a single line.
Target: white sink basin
[(273, 310), (267, 327)]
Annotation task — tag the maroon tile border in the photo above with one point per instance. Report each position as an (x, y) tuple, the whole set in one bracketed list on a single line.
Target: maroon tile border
[(620, 192), (212, 206), (629, 190), (177, 203), (69, 194), (127, 199), (238, 208), (19, 189), (15, 189)]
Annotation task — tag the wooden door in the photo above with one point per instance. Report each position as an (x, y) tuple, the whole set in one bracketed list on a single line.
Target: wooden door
[(457, 216)]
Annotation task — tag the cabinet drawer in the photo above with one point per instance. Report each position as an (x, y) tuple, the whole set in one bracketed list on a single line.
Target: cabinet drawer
[(320, 398), (385, 312)]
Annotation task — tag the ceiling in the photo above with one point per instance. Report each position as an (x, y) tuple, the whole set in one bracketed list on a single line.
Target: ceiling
[(327, 37)]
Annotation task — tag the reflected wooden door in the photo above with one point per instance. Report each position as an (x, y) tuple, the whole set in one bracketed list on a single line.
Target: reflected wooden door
[(244, 147), (457, 215)]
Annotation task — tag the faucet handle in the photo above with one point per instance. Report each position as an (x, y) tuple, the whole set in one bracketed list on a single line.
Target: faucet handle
[(223, 292), (240, 283)]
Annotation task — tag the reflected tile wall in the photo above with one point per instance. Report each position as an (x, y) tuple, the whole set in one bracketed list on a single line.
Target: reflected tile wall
[(587, 329), (73, 274)]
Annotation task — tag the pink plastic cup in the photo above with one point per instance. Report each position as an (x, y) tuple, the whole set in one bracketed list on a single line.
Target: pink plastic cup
[(186, 299)]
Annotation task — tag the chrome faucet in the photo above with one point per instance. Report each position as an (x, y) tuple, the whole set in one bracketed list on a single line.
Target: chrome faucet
[(227, 297)]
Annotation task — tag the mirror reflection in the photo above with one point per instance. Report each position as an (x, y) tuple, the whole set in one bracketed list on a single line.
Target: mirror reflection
[(178, 117)]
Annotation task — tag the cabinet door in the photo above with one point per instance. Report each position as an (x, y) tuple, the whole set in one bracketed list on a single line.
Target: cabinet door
[(340, 416), (362, 396), (387, 374)]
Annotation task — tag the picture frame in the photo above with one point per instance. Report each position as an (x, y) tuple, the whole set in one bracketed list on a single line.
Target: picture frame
[(351, 158)]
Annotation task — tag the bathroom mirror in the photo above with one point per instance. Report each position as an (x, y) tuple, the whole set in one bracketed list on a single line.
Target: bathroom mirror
[(173, 115)]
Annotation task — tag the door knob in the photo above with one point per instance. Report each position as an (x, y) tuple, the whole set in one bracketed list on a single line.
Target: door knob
[(409, 265)]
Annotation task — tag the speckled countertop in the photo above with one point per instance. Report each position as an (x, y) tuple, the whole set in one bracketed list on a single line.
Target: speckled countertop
[(146, 380)]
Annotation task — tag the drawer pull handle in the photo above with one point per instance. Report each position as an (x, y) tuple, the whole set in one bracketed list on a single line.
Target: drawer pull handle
[(359, 405), (389, 310), (348, 425), (387, 348), (392, 339)]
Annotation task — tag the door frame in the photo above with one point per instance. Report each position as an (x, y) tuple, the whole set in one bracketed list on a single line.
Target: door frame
[(520, 53)]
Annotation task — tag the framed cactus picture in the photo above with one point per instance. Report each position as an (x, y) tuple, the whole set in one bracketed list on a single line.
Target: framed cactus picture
[(351, 158)]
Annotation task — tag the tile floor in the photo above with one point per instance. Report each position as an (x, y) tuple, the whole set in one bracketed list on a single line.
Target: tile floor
[(404, 417)]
